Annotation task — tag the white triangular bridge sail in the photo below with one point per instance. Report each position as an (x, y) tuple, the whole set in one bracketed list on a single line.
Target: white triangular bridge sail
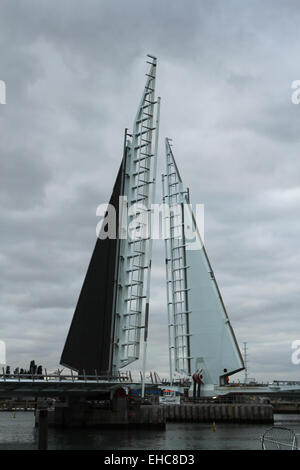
[(201, 337)]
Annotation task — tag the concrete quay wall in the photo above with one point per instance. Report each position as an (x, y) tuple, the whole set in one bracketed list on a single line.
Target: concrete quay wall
[(231, 413), (80, 415)]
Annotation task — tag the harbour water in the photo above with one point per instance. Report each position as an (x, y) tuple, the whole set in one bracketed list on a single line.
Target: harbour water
[(19, 434)]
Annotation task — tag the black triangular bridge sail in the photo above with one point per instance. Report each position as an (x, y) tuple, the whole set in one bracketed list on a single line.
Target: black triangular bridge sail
[(88, 347)]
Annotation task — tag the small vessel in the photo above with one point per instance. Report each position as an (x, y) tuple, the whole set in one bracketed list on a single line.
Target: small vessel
[(169, 397)]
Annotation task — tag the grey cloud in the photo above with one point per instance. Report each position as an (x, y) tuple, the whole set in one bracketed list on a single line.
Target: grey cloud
[(74, 77)]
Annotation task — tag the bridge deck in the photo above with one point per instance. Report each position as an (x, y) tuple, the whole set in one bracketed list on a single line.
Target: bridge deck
[(54, 386)]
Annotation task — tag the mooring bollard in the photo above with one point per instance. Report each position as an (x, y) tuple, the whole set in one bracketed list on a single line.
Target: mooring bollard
[(43, 429)]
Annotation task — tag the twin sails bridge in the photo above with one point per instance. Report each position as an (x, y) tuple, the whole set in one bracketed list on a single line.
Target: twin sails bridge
[(109, 329)]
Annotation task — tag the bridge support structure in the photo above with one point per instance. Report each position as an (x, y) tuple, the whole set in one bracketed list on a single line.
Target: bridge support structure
[(119, 411)]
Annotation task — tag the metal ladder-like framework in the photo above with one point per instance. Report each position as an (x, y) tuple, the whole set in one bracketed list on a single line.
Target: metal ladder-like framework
[(174, 198), (132, 305)]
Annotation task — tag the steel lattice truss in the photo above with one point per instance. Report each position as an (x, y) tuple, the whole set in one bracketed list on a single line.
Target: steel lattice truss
[(174, 197), (133, 290)]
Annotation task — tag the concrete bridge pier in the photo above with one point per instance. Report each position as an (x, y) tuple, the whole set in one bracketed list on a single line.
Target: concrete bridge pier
[(122, 411)]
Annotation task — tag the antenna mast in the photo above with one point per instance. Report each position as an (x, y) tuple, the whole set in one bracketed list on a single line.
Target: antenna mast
[(246, 362)]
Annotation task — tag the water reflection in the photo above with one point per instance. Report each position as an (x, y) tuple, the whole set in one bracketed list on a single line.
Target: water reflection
[(19, 433)]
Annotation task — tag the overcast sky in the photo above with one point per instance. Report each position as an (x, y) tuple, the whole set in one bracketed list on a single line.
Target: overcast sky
[(74, 72)]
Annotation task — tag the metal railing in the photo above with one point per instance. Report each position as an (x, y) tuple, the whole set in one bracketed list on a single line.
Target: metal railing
[(59, 377)]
